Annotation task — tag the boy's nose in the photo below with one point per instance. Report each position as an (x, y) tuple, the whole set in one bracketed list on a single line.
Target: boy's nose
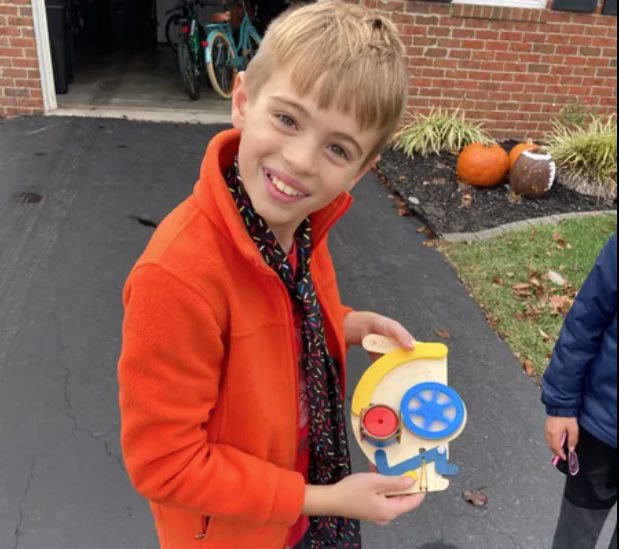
[(302, 158)]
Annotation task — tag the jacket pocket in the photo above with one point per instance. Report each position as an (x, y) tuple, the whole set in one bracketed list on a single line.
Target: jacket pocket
[(203, 534)]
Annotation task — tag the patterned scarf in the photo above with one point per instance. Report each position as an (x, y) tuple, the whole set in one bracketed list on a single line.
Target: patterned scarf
[(329, 453)]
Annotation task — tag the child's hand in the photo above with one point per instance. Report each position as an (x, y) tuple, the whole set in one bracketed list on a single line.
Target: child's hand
[(360, 325), (362, 497), (556, 430)]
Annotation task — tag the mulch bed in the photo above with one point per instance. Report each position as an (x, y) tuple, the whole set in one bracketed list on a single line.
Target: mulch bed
[(430, 188)]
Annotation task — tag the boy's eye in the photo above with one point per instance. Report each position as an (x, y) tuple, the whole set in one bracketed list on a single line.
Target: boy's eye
[(287, 120), (339, 151)]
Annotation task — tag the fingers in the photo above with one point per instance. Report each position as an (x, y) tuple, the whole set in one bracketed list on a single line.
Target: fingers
[(573, 436), (396, 331), (385, 485), (556, 440), (406, 504)]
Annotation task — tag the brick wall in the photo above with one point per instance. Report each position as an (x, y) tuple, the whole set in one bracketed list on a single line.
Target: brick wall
[(20, 83), (514, 69)]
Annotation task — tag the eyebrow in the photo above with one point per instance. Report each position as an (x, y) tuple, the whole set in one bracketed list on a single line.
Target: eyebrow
[(306, 114)]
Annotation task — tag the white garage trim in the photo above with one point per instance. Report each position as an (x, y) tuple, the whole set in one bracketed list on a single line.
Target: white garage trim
[(45, 55)]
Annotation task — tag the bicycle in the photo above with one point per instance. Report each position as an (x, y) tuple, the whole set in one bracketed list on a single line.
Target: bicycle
[(181, 16), (190, 44), (224, 55)]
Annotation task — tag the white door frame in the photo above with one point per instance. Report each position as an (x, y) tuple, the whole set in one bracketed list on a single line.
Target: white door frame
[(45, 55)]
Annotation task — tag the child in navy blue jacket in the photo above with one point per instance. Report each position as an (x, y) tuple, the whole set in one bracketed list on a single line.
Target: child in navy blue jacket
[(580, 393)]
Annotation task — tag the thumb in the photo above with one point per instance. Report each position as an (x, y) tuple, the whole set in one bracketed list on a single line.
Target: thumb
[(393, 484)]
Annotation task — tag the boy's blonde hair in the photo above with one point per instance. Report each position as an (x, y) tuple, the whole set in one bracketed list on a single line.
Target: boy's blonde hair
[(348, 55)]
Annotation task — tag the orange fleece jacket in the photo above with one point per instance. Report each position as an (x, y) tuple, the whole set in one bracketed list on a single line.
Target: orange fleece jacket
[(209, 375)]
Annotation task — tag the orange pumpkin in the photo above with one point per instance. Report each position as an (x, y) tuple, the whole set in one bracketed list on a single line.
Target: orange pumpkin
[(481, 165), (519, 149)]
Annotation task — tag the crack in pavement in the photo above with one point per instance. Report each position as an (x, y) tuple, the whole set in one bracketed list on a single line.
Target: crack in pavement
[(71, 416), (70, 412), (22, 501)]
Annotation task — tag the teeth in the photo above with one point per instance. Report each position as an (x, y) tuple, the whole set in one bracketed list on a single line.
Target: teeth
[(282, 187)]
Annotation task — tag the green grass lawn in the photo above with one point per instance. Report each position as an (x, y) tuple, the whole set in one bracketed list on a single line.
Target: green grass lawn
[(512, 279)]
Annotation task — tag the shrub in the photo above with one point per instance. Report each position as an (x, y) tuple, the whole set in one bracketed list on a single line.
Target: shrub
[(438, 132), (576, 115), (586, 157)]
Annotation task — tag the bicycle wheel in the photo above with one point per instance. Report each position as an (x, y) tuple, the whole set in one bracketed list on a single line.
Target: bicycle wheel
[(218, 56), (189, 71), (173, 31)]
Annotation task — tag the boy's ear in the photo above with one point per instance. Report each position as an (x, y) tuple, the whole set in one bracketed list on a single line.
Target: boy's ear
[(368, 168), (240, 99)]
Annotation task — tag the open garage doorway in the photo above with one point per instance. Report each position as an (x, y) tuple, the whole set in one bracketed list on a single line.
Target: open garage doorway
[(113, 58)]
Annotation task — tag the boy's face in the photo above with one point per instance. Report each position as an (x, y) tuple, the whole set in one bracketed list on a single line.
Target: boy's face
[(295, 158)]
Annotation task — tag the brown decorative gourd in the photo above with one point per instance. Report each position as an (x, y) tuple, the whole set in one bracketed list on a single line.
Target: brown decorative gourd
[(519, 149), (534, 174), (481, 165)]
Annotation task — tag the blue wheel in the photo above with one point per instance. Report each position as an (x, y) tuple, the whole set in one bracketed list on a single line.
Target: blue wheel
[(433, 411)]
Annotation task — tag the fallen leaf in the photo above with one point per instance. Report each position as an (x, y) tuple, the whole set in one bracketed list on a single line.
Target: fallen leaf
[(549, 254), (467, 200), (556, 278), (545, 336), (402, 178), (563, 268), (503, 335), (475, 498), (430, 243), (560, 240), (442, 334), (522, 290), (401, 207), (518, 355), (498, 281), (528, 367), (515, 198), (423, 230), (536, 282), (570, 247), (464, 187), (511, 275), (560, 305)]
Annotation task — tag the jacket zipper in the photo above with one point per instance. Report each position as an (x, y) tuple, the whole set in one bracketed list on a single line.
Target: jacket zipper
[(290, 310), (205, 524)]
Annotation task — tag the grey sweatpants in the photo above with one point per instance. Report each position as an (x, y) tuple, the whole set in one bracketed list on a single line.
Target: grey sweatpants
[(581, 528)]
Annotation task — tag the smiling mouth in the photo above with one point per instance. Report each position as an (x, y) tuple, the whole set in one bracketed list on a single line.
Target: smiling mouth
[(283, 188)]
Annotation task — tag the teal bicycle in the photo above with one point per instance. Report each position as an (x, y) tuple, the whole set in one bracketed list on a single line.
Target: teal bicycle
[(226, 55), (219, 50)]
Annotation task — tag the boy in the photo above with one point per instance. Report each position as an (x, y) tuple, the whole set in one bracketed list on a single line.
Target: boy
[(580, 392), (232, 372)]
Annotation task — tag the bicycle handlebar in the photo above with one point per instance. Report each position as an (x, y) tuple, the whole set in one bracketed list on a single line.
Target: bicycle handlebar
[(183, 5)]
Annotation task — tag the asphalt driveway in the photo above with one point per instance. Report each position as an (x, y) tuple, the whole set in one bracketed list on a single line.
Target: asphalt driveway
[(66, 247)]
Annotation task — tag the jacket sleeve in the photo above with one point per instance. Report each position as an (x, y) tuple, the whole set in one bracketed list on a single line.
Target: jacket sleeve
[(170, 370), (593, 313)]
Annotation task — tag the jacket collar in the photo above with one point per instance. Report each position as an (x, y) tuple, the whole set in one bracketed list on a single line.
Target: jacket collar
[(215, 200)]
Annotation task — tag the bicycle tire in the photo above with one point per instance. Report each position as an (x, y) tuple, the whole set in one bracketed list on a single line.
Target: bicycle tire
[(223, 79), (173, 21), (189, 72)]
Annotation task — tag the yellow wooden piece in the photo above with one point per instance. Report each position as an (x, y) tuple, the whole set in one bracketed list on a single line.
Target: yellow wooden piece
[(385, 365)]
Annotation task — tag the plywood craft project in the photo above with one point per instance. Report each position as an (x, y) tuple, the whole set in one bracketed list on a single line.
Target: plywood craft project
[(405, 415)]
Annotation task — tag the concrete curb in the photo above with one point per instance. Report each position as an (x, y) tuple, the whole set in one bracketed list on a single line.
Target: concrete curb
[(484, 236)]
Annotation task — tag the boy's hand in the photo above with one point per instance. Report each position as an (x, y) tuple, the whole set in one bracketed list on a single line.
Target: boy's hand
[(360, 325), (362, 497), (556, 429)]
